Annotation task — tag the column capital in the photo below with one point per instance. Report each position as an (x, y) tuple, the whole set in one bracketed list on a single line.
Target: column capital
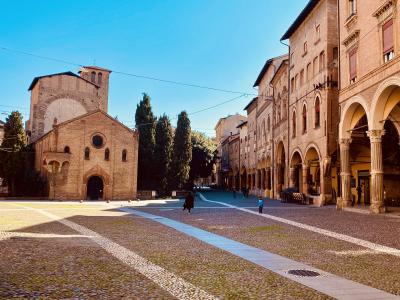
[(345, 142), (305, 166), (375, 135)]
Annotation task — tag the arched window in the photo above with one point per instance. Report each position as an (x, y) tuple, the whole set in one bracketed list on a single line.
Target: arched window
[(87, 153), (294, 124), (317, 113), (107, 154), (67, 150), (124, 153), (264, 133), (278, 115), (304, 119), (93, 77), (99, 78)]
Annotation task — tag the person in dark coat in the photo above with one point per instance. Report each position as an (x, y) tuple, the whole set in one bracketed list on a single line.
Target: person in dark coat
[(189, 202)]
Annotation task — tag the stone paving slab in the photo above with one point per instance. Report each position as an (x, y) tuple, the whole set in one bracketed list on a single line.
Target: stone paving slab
[(326, 283)]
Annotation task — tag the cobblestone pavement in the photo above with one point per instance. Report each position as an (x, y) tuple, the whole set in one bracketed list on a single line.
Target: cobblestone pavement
[(33, 267), (77, 268), (338, 257), (74, 267)]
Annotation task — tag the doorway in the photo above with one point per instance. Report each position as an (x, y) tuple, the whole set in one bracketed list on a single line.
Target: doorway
[(364, 183), (95, 188)]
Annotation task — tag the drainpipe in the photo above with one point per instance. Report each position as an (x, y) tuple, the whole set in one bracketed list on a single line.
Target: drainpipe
[(338, 122), (273, 142), (287, 168)]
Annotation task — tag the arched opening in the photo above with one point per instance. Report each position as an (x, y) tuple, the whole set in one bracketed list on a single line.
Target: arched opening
[(93, 77), (385, 116), (264, 179), (244, 179), (95, 188), (237, 181), (124, 154), (259, 179), (280, 168), (99, 78), (67, 149), (313, 172), (391, 163), (107, 154), (296, 172), (87, 153), (360, 162)]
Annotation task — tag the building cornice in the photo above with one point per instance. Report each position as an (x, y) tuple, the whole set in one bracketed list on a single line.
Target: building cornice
[(352, 38), (384, 10)]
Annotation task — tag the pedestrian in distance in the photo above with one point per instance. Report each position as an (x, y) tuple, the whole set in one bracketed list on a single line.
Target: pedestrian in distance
[(260, 204), (234, 193), (189, 201)]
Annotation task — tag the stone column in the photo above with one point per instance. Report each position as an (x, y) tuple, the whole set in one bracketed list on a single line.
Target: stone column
[(292, 177), (377, 198), (305, 172), (345, 172)]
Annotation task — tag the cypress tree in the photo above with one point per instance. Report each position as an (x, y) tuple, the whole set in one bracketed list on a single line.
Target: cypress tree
[(182, 154), (163, 152), (12, 160), (145, 124)]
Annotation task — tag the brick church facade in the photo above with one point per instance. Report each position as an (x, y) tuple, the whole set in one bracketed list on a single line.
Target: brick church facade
[(82, 151)]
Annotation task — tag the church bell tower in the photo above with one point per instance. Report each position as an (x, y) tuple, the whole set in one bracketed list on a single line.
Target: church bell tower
[(98, 76)]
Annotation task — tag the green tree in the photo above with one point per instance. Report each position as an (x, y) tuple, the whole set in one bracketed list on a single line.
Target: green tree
[(182, 154), (203, 156), (12, 160), (145, 124), (163, 152)]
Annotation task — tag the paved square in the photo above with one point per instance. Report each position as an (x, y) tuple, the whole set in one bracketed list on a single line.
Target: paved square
[(95, 250)]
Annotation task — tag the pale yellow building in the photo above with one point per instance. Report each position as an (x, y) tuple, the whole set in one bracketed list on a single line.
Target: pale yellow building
[(224, 128)]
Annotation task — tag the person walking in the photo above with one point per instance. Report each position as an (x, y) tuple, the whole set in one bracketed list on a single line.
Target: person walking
[(234, 193), (260, 204), (189, 202)]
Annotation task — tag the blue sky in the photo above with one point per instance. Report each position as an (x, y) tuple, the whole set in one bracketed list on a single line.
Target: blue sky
[(215, 43)]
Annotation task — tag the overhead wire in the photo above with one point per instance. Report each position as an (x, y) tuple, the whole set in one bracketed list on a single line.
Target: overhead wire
[(153, 78)]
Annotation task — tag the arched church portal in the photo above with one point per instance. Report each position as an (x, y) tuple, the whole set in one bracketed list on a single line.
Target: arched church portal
[(95, 188)]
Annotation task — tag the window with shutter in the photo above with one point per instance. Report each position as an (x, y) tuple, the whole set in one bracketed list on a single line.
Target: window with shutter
[(388, 45), (304, 119), (353, 65), (294, 124), (317, 113)]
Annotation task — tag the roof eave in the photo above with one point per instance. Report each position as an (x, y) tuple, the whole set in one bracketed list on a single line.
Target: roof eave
[(300, 19)]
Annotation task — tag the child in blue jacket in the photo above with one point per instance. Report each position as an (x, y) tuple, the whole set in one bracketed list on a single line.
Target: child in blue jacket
[(260, 204)]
